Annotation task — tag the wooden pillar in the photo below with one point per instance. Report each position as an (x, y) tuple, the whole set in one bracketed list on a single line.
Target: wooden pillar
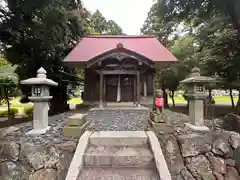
[(134, 90), (101, 90), (145, 87), (104, 90), (138, 88)]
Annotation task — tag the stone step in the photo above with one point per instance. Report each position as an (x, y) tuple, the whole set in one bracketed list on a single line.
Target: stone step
[(118, 156), (75, 131), (118, 174), (76, 120), (118, 138)]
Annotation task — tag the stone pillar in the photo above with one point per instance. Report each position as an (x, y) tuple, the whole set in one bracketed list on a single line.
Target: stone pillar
[(138, 88), (196, 112), (40, 98), (101, 91)]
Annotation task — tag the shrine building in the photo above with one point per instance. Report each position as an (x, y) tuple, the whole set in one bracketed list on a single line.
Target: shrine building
[(119, 68)]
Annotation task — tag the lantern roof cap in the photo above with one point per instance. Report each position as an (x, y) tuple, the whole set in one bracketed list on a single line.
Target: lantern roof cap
[(195, 77), (41, 79)]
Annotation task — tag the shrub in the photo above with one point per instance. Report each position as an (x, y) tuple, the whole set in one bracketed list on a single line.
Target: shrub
[(13, 111), (2, 113), (28, 111)]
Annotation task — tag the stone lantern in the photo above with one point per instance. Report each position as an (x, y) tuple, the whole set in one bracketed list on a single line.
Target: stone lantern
[(196, 93), (40, 98)]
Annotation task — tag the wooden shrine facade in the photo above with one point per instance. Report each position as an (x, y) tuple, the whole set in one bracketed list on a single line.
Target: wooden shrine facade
[(119, 73), (118, 68)]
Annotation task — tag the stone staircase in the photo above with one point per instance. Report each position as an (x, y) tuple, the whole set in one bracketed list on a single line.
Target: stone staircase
[(116, 155)]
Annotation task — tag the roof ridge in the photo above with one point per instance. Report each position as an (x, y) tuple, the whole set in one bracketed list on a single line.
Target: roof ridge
[(118, 36)]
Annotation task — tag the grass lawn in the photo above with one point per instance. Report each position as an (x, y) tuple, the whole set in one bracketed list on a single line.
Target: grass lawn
[(75, 101), (15, 103), (219, 99)]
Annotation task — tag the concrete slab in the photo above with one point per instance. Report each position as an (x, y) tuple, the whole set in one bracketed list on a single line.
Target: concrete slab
[(121, 156), (77, 160), (161, 164), (37, 132), (119, 138), (197, 128)]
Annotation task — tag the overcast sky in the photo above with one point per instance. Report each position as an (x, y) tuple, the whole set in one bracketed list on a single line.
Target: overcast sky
[(128, 14)]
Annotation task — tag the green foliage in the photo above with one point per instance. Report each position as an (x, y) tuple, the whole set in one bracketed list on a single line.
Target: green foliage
[(36, 34), (113, 28), (12, 111), (199, 33), (99, 25), (8, 82), (42, 33), (28, 111)]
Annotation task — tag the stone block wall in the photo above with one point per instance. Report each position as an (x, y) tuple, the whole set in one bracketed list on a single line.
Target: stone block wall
[(210, 156), (45, 157)]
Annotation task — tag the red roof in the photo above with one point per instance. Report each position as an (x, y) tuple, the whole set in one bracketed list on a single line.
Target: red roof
[(91, 46)]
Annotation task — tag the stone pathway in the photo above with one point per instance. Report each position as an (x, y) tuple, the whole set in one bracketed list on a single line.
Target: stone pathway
[(118, 120), (118, 155)]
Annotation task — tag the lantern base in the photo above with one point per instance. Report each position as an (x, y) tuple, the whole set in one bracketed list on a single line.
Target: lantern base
[(196, 128), (36, 132)]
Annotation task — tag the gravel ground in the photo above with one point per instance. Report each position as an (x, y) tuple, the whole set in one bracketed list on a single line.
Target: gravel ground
[(177, 119), (118, 120), (54, 135)]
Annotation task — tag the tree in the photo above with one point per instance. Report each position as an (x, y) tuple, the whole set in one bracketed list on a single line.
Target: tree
[(113, 28), (8, 82), (215, 26), (99, 25), (42, 33)]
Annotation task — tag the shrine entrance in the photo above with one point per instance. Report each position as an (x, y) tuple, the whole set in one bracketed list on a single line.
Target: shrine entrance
[(119, 88)]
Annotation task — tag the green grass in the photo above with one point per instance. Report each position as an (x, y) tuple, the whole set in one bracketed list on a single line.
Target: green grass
[(219, 99), (15, 103), (75, 101)]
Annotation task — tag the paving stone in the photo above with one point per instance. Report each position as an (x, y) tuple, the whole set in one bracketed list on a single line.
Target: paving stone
[(118, 174), (118, 138)]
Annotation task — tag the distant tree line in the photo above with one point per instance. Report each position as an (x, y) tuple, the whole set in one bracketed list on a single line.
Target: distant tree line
[(36, 34), (199, 33)]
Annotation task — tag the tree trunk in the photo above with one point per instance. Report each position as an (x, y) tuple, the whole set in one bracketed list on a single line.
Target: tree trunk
[(172, 97), (210, 93), (7, 99), (238, 103), (231, 96), (58, 103), (165, 96)]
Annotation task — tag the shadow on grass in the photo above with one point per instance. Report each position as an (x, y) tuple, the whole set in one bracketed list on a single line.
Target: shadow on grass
[(15, 121)]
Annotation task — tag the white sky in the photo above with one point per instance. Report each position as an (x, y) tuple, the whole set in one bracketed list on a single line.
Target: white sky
[(128, 14)]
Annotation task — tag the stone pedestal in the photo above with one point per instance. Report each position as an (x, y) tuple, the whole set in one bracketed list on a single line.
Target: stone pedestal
[(76, 125), (196, 112), (160, 124)]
